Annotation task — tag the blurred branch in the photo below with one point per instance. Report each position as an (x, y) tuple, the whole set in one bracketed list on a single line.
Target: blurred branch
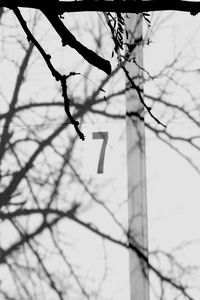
[(130, 244), (5, 136), (69, 265)]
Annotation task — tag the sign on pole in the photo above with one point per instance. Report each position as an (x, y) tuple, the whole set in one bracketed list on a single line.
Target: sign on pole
[(137, 204)]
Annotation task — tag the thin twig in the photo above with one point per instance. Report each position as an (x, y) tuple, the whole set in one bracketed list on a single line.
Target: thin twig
[(148, 108)]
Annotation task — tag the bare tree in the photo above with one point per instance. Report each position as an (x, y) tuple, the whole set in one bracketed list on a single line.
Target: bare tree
[(46, 204)]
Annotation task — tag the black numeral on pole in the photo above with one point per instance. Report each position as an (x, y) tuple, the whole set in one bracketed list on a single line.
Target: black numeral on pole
[(104, 136)]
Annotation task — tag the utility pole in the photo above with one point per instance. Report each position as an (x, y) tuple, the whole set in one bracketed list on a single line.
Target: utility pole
[(137, 202)]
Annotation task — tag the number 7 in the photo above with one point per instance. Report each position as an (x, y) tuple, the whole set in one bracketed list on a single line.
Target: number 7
[(104, 136)]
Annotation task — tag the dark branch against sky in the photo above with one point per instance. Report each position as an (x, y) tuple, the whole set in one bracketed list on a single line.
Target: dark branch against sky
[(122, 6), (53, 11)]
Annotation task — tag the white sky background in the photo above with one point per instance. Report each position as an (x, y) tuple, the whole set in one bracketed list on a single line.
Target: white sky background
[(173, 186)]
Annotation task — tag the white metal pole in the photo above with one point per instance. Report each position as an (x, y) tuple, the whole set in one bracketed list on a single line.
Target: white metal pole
[(137, 203)]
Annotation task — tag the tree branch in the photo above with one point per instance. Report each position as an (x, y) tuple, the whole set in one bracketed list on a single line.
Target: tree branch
[(54, 72), (127, 244), (122, 6), (69, 39)]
